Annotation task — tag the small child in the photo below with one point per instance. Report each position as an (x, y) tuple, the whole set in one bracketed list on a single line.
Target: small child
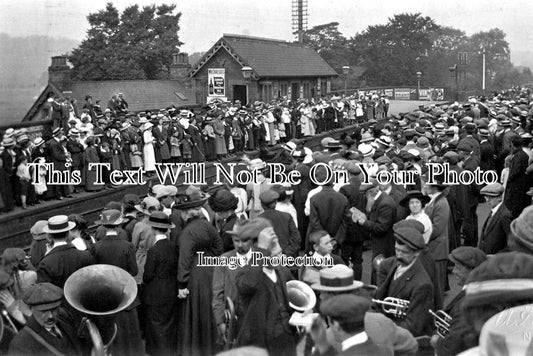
[(23, 172), (322, 246)]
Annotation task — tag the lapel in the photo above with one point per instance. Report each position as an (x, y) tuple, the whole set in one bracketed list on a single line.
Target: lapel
[(398, 284), (376, 204), (493, 220), (59, 249)]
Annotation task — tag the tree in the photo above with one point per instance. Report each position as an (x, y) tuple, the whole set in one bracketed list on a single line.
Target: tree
[(135, 45)]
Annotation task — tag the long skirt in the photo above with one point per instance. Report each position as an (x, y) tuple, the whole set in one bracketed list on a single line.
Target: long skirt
[(198, 329), (128, 340), (161, 331)]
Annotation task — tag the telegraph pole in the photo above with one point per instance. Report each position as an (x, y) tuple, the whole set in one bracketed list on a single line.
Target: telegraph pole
[(484, 70)]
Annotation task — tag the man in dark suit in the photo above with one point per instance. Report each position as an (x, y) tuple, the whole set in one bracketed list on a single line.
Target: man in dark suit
[(352, 248), (497, 226), (265, 312), (63, 259), (408, 280), (58, 156), (300, 192), (378, 218), (486, 151), (46, 333), (284, 226), (329, 210), (346, 315), (517, 186), (160, 289), (224, 203)]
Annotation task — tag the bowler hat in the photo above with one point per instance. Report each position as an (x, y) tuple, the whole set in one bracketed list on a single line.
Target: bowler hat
[(57, 224), (414, 194), (159, 219), (338, 278), (43, 296)]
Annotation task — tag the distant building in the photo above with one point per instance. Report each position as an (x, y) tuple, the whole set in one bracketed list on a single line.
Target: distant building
[(141, 95), (276, 69)]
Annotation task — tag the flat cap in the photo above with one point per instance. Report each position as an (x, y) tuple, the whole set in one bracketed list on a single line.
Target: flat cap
[(352, 168), (346, 308), (249, 227), (223, 200), (372, 184), (410, 223), (43, 296), (451, 156), (464, 146), (410, 237), (522, 228), (268, 197), (468, 256), (492, 190)]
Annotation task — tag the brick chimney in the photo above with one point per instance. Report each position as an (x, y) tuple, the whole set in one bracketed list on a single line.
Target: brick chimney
[(180, 66), (59, 73)]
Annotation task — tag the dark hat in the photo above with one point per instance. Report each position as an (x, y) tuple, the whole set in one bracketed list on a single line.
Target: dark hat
[(522, 228), (464, 146), (338, 278), (352, 168), (410, 237), (410, 223), (160, 220), (268, 197), (223, 200), (346, 308), (193, 198), (409, 133), (451, 156), (43, 296), (249, 227), (6, 279), (414, 194), (333, 144), (364, 187), (503, 278), (57, 224), (298, 154), (111, 217), (468, 256), (130, 199), (492, 190)]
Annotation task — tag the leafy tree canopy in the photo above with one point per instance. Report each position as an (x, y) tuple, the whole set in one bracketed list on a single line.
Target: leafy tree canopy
[(137, 44)]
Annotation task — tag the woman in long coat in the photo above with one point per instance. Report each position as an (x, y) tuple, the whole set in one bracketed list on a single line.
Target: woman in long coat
[(198, 152), (198, 329), (148, 148), (90, 155), (220, 143), (209, 134)]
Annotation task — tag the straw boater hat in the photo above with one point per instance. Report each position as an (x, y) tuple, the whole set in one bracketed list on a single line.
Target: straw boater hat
[(338, 278), (256, 163), (58, 224)]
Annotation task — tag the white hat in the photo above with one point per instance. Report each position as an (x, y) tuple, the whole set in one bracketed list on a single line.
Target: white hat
[(366, 150)]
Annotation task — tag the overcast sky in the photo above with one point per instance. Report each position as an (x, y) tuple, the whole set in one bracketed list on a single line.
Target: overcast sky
[(204, 21)]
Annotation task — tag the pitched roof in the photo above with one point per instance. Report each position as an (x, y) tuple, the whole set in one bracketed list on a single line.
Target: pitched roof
[(270, 58), (140, 94), (50, 89)]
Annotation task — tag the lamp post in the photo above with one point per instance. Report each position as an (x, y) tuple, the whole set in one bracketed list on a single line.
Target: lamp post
[(345, 71), (247, 74), (418, 77)]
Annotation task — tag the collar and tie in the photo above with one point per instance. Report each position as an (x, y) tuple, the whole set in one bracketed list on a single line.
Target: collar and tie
[(54, 330)]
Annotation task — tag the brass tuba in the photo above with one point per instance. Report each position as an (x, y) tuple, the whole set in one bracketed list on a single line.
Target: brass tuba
[(376, 262), (442, 322), (395, 307), (301, 296), (100, 291)]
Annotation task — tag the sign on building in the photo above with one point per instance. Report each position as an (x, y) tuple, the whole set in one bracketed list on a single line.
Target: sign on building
[(216, 84), (402, 94)]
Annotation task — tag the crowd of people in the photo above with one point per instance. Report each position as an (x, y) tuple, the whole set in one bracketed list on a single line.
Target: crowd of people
[(130, 141), (417, 233)]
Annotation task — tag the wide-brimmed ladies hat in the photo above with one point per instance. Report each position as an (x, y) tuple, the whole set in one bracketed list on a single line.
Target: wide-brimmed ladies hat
[(148, 205), (111, 217), (58, 224), (193, 198), (415, 194), (160, 220)]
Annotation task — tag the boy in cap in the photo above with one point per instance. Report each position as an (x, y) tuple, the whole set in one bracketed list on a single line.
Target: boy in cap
[(45, 333)]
